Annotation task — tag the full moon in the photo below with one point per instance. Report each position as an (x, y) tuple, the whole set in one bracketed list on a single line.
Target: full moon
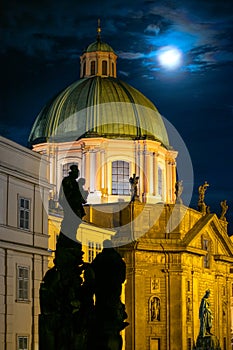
[(170, 57)]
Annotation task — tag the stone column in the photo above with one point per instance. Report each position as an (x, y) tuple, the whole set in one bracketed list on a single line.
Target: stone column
[(92, 171), (155, 177), (141, 172), (173, 180), (97, 171), (87, 168)]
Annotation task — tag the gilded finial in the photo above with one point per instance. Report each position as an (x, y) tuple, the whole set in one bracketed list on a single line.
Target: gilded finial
[(98, 30)]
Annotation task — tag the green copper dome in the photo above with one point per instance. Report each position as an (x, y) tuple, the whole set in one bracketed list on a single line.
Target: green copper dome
[(99, 46), (98, 107)]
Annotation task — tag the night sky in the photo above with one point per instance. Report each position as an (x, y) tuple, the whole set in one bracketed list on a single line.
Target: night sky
[(43, 40)]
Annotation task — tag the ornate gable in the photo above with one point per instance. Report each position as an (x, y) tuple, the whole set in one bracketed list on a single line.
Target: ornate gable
[(209, 234)]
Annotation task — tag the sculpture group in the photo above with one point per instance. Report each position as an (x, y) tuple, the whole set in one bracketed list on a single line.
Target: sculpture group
[(69, 318)]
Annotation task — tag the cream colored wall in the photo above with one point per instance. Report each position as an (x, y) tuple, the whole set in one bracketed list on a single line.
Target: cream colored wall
[(95, 157), (22, 173)]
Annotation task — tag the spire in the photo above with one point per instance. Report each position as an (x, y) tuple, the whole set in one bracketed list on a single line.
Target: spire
[(98, 31)]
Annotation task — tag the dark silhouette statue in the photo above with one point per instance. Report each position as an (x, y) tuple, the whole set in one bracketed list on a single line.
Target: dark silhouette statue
[(66, 299), (206, 339), (69, 319), (134, 187), (71, 198), (110, 273)]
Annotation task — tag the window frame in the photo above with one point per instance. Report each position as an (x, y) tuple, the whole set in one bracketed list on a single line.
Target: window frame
[(19, 336), (91, 251), (93, 67), (25, 281), (104, 67), (66, 168), (120, 178), (24, 220), (206, 243)]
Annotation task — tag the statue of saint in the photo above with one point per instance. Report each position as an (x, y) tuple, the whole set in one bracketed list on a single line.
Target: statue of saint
[(134, 188), (224, 207), (178, 191), (201, 204), (201, 191), (205, 315), (71, 199), (155, 309)]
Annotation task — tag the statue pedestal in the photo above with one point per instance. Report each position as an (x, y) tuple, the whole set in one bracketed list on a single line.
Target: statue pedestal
[(208, 342)]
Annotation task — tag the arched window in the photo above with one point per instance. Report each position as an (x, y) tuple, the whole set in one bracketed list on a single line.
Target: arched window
[(66, 168), (104, 67), (120, 177), (92, 67), (113, 69), (160, 181)]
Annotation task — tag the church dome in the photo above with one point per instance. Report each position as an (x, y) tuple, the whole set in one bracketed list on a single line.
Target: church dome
[(98, 107), (99, 46)]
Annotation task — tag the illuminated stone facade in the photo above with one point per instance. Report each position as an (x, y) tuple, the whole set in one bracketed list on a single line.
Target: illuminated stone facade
[(177, 269)]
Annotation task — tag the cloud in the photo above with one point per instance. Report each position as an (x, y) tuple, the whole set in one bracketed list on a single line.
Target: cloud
[(152, 28), (131, 55), (121, 72)]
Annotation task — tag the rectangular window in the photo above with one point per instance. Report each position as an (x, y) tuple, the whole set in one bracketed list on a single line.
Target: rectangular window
[(189, 344), (188, 286), (91, 251), (104, 67), (98, 248), (22, 283), (205, 246), (120, 177), (24, 213), (92, 67), (154, 344), (22, 342)]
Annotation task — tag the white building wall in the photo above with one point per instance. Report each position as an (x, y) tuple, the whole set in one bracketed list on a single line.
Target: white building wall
[(22, 173)]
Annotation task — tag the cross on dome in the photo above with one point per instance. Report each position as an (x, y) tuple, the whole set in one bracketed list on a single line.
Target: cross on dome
[(98, 30)]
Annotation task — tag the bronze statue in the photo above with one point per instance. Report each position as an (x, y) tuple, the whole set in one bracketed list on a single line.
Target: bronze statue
[(134, 188), (178, 191), (205, 315), (224, 207), (206, 339)]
